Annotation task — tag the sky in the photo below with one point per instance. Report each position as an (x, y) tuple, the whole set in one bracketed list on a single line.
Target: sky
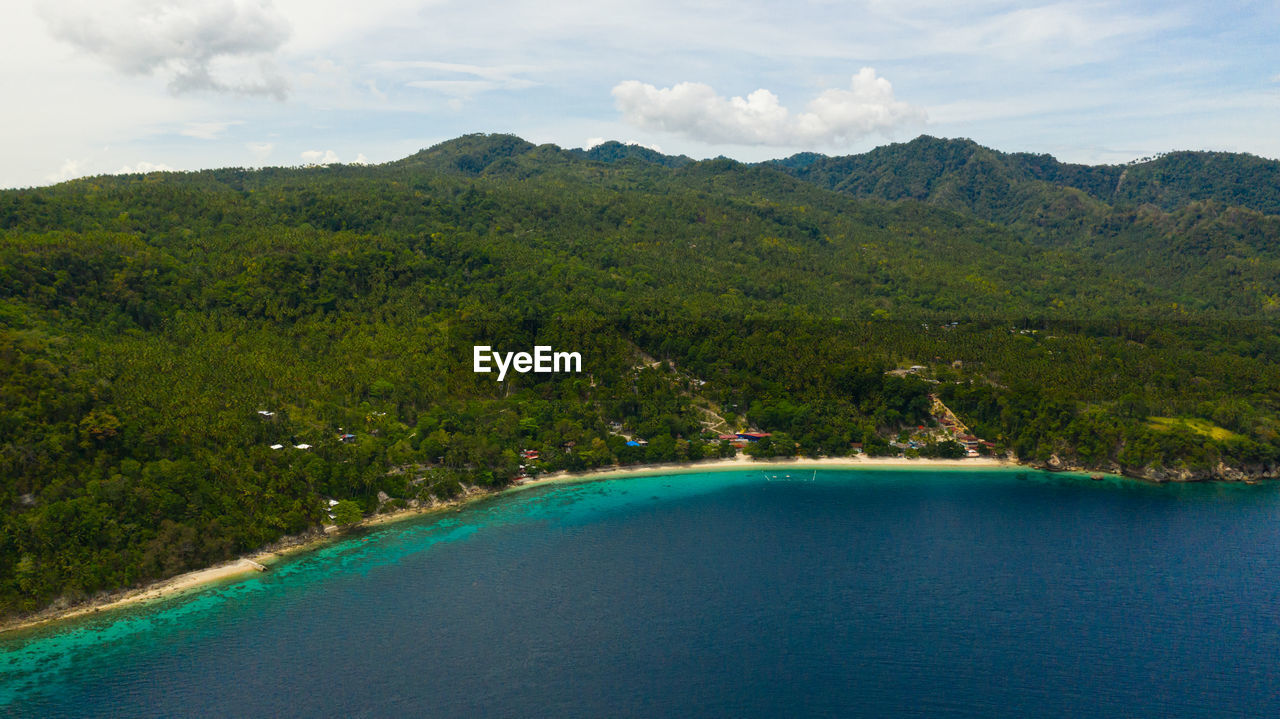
[(110, 86)]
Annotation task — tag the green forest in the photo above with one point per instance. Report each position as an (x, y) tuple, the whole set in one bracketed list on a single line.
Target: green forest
[(161, 333)]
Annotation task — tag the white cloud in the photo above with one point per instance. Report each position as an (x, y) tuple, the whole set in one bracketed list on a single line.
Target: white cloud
[(206, 130), (491, 72), (316, 157), (144, 167), (70, 170), (460, 79), (219, 45), (1057, 35), (834, 117), (458, 88), (361, 159), (260, 150)]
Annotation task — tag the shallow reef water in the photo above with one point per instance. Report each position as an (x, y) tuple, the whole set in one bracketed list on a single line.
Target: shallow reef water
[(734, 593)]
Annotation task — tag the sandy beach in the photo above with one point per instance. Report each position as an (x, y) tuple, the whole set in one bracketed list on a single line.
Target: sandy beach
[(253, 563), (744, 462), (172, 586)]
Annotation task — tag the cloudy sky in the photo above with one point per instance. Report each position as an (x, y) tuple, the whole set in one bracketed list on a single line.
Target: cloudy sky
[(104, 86)]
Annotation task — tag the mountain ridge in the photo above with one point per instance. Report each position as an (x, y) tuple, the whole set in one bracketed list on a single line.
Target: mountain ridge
[(940, 169)]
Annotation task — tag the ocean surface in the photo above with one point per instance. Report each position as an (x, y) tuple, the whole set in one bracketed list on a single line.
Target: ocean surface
[(721, 594)]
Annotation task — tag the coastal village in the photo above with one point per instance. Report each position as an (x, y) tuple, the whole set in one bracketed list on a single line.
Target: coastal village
[(725, 426), (945, 427), (728, 427)]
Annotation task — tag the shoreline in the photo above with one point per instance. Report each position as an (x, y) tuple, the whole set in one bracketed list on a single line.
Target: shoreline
[(258, 561), (196, 579), (741, 462)]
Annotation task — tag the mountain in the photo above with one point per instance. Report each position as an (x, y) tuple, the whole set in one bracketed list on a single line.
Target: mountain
[(614, 151), (1179, 178), (1193, 220), (469, 154), (965, 175), (163, 333)]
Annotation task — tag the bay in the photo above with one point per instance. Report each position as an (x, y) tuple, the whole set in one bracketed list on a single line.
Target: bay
[(744, 593)]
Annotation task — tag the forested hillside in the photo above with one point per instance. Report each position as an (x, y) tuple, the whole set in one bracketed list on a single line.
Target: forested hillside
[(982, 180), (160, 333)]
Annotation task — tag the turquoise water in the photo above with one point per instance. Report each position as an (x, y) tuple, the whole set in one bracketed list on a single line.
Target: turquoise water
[(997, 593)]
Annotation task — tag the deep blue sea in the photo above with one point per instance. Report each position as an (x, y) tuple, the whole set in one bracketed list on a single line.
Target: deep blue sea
[(859, 593)]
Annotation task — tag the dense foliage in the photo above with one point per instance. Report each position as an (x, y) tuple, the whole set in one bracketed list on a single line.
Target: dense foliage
[(161, 333)]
